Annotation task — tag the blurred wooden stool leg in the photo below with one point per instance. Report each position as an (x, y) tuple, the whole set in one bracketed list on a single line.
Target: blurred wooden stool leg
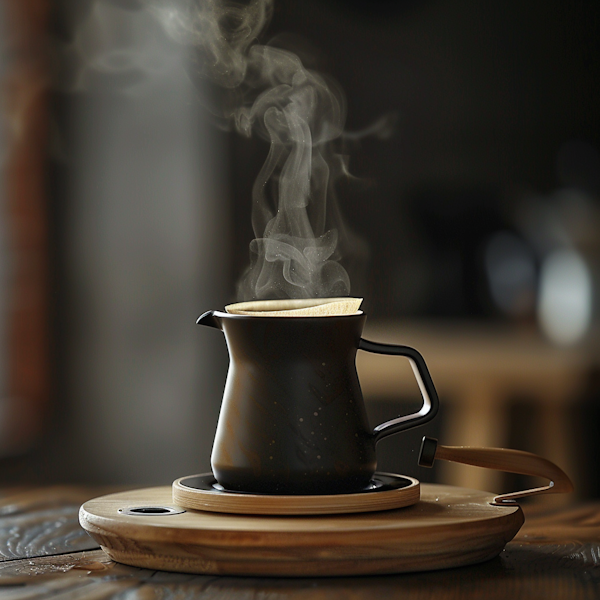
[(555, 436), (477, 416)]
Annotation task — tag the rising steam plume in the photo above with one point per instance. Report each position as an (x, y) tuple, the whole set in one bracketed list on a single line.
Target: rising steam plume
[(300, 235)]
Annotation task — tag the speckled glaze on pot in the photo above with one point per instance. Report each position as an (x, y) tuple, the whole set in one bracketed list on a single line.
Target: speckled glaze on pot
[(293, 420)]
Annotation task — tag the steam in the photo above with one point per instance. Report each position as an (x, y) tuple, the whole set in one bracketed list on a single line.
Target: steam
[(300, 234)]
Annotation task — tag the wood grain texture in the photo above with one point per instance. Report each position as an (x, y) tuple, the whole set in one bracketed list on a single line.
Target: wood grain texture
[(448, 527), (578, 524), (550, 572), (42, 522), (225, 502)]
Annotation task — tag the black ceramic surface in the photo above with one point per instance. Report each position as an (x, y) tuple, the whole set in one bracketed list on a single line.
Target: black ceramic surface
[(293, 419)]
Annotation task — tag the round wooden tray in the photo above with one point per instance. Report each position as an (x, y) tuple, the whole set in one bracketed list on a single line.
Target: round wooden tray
[(448, 527), (387, 491)]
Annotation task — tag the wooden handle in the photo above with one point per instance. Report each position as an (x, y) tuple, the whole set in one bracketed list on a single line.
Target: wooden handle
[(501, 459)]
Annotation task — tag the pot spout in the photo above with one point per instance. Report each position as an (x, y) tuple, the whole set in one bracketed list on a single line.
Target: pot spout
[(209, 319)]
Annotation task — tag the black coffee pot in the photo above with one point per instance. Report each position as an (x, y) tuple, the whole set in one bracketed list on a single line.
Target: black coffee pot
[(293, 419)]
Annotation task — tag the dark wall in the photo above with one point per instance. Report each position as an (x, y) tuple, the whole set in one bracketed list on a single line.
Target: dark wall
[(486, 95)]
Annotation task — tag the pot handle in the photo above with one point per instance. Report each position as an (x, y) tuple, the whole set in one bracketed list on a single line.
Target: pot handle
[(501, 459), (430, 397)]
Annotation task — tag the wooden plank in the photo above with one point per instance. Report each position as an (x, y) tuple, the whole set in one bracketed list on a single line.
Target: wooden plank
[(43, 522), (550, 572), (66, 575), (579, 524)]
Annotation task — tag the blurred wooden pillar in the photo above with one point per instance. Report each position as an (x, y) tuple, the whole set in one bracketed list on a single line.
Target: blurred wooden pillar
[(25, 99)]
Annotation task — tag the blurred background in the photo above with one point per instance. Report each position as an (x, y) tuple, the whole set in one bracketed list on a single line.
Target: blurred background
[(126, 214)]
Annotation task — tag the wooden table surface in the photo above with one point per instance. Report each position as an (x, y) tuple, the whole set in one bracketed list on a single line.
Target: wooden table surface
[(44, 553)]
